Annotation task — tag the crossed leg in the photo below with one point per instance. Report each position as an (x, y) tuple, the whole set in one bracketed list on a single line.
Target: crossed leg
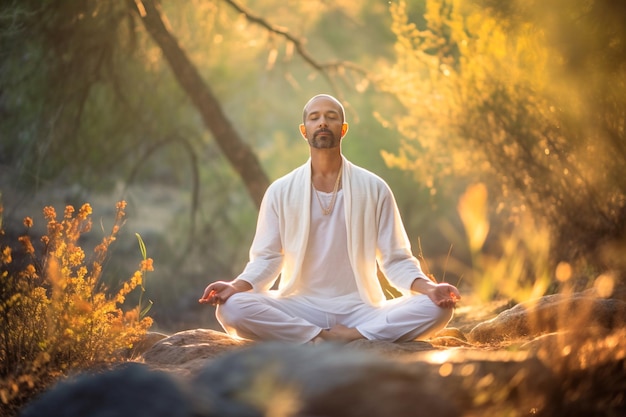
[(259, 316)]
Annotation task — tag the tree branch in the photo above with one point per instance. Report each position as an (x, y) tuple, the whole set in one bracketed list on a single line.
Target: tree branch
[(298, 44)]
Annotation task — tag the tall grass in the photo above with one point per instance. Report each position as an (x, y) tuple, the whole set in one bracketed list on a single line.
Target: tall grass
[(56, 314)]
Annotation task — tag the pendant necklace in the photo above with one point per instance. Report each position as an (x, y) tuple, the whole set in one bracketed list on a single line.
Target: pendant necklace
[(327, 210)]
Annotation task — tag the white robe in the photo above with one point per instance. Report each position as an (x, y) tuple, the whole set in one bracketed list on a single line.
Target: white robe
[(375, 234)]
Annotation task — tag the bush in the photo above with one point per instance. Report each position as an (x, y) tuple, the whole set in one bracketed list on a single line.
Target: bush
[(530, 106), (56, 314)]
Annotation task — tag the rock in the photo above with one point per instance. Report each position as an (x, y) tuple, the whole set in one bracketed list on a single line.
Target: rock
[(451, 332), (449, 341), (143, 345), (550, 314), (320, 380), (190, 349), (332, 380), (130, 390), (389, 349)]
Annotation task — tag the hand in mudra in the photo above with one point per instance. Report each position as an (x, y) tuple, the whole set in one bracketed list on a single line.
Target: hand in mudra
[(444, 295)]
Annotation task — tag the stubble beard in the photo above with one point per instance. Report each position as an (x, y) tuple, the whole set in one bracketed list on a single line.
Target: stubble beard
[(328, 143)]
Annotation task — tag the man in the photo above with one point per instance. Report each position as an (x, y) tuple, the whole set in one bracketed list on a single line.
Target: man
[(324, 228)]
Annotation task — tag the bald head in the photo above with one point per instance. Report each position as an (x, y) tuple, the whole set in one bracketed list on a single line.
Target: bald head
[(305, 111)]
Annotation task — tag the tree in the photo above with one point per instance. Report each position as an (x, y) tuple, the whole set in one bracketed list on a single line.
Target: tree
[(242, 158)]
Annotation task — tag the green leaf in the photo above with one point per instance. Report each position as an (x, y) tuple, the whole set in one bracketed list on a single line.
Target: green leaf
[(142, 247), (146, 309)]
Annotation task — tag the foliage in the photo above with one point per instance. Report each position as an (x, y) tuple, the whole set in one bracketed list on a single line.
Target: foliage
[(521, 269), (56, 315), (486, 103)]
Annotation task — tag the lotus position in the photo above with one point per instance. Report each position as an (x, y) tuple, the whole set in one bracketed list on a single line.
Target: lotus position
[(322, 231)]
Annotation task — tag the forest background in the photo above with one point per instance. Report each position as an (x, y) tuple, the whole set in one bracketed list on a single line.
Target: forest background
[(499, 127)]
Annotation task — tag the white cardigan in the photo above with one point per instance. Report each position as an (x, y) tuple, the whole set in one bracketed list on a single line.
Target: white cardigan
[(374, 227)]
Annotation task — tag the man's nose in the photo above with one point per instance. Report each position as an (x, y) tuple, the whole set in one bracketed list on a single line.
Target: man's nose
[(323, 122)]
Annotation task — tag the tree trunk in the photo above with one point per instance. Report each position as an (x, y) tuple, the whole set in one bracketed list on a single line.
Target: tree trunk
[(238, 153)]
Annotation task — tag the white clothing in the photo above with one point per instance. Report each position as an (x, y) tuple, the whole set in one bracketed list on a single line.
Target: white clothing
[(374, 234), (327, 279)]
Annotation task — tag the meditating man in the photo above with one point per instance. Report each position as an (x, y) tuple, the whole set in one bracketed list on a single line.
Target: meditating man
[(322, 230)]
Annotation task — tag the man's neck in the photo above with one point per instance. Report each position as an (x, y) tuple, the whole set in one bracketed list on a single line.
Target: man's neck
[(325, 166)]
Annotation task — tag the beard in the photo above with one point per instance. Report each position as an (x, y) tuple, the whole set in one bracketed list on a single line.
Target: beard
[(323, 139)]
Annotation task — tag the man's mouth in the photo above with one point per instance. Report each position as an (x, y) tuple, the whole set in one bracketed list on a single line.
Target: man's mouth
[(323, 132)]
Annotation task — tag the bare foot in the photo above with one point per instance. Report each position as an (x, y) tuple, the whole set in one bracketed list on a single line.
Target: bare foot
[(337, 333)]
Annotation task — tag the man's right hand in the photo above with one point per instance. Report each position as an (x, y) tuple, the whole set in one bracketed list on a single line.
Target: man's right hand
[(220, 291)]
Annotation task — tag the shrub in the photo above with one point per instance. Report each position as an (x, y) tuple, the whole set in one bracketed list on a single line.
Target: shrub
[(56, 314)]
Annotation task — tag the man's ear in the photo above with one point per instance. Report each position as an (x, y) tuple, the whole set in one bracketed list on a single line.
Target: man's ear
[(344, 129), (303, 130)]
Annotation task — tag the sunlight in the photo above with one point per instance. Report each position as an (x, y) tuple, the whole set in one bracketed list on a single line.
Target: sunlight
[(439, 357), (604, 285), (563, 272), (446, 369), (472, 208)]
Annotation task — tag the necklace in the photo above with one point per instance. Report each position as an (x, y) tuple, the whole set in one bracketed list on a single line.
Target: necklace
[(327, 210)]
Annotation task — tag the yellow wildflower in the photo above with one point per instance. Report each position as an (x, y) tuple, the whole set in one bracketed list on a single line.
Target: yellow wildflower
[(135, 280), (28, 222), (146, 265), (6, 255), (84, 211), (26, 244), (49, 213), (75, 255), (29, 272), (69, 210)]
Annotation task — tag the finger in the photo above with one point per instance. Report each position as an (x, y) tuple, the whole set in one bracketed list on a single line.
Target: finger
[(208, 298), (454, 294)]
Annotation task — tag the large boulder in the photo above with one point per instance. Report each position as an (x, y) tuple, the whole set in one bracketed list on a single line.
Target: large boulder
[(320, 380), (550, 314), (272, 379)]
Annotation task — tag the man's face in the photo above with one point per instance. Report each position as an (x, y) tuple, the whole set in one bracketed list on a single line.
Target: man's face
[(323, 125)]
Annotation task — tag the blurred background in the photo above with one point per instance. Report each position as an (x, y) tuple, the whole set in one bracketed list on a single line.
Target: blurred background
[(500, 127)]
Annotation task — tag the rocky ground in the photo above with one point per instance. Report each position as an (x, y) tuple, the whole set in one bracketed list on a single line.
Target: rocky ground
[(559, 356)]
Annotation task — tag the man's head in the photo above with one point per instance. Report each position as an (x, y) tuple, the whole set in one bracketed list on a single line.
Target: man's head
[(323, 122)]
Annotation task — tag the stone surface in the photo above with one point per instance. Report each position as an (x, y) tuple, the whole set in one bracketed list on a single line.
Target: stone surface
[(320, 380), (130, 390), (184, 353), (190, 345), (550, 314), (143, 345), (272, 379)]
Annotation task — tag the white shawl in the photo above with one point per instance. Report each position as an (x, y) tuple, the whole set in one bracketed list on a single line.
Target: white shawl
[(374, 227)]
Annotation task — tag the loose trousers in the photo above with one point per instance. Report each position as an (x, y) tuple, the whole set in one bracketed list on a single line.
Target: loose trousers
[(262, 317)]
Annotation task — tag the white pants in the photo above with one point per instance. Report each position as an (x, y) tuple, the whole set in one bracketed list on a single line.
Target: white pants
[(259, 316)]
